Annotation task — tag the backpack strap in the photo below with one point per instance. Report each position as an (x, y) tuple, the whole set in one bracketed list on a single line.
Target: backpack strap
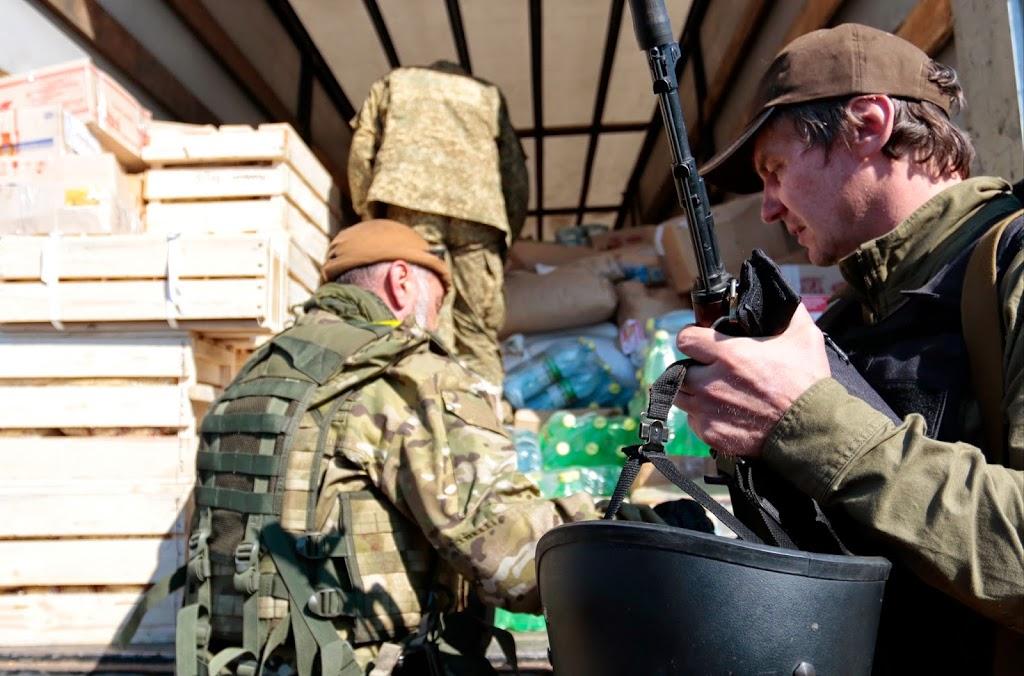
[(983, 334)]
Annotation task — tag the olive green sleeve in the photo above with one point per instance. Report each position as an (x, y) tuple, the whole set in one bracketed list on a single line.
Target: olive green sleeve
[(946, 513)]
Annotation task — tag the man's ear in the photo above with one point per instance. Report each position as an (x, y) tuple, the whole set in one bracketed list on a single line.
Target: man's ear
[(873, 117), (400, 286)]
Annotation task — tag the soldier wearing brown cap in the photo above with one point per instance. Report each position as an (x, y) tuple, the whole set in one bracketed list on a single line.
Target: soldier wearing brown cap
[(854, 147), (357, 499)]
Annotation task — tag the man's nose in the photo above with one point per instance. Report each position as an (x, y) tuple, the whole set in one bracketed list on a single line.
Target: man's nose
[(771, 208)]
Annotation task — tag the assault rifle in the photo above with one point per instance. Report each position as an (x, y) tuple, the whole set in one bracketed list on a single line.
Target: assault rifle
[(714, 291)]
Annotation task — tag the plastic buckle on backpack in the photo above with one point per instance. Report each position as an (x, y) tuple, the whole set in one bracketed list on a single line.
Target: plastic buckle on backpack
[(653, 431), (328, 602), (202, 634), (198, 557), (245, 556), (247, 668), (247, 574)]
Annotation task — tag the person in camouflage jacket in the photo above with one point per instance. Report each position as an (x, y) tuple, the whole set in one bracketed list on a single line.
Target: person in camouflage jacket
[(434, 148), (422, 439), (427, 434)]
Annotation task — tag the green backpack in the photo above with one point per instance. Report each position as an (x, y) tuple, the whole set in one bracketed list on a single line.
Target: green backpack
[(258, 568)]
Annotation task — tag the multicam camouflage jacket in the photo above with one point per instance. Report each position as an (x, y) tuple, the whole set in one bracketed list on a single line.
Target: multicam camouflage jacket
[(426, 435), (441, 143)]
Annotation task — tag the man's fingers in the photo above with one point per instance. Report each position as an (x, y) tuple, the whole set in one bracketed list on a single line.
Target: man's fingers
[(698, 343)]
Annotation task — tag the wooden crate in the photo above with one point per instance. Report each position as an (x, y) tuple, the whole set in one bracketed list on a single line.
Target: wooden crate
[(173, 144), (97, 441), (221, 284), (218, 183), (307, 248)]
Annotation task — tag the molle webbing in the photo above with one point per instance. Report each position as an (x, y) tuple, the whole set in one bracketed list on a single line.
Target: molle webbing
[(261, 572)]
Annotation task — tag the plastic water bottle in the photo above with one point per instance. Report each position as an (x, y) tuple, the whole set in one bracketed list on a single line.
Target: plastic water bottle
[(557, 438), (557, 363), (571, 392), (660, 355), (527, 443), (597, 481), (522, 622)]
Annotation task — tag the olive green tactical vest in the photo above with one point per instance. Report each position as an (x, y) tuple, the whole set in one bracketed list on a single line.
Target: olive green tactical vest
[(278, 566)]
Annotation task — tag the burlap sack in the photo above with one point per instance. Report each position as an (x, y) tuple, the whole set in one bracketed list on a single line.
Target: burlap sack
[(568, 297), (641, 303), (525, 254)]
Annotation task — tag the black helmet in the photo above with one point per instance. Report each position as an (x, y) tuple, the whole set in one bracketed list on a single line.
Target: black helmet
[(639, 598)]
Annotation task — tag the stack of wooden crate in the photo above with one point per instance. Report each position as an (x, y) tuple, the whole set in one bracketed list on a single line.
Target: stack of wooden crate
[(117, 331), (97, 442), (237, 179)]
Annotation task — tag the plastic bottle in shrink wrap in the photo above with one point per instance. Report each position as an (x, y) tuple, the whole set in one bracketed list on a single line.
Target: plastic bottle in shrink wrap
[(573, 392), (557, 437), (527, 443), (597, 481), (556, 363)]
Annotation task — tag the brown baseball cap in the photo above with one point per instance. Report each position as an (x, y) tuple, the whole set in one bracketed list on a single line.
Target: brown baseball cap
[(378, 241), (847, 60)]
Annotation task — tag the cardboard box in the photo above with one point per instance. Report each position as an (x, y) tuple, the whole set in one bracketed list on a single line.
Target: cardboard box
[(70, 194), (614, 239), (44, 130), (739, 229), (113, 115)]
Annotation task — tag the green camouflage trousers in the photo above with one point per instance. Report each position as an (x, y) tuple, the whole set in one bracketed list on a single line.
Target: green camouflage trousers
[(474, 312)]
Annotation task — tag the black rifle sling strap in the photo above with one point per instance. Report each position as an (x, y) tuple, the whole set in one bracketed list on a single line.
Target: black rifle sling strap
[(983, 334), (654, 433)]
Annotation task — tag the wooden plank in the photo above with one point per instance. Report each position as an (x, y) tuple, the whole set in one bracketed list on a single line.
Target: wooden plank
[(742, 32), (303, 269), (239, 182), (984, 61), (235, 332), (46, 563), (62, 355), (127, 301), (107, 37), (78, 461), (297, 294), (111, 509), (929, 25), (814, 15), (56, 406), (261, 215), (140, 256), (235, 144), (214, 362), (52, 619)]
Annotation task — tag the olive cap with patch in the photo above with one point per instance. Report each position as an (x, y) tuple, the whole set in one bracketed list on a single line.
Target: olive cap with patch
[(848, 60), (381, 240)]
